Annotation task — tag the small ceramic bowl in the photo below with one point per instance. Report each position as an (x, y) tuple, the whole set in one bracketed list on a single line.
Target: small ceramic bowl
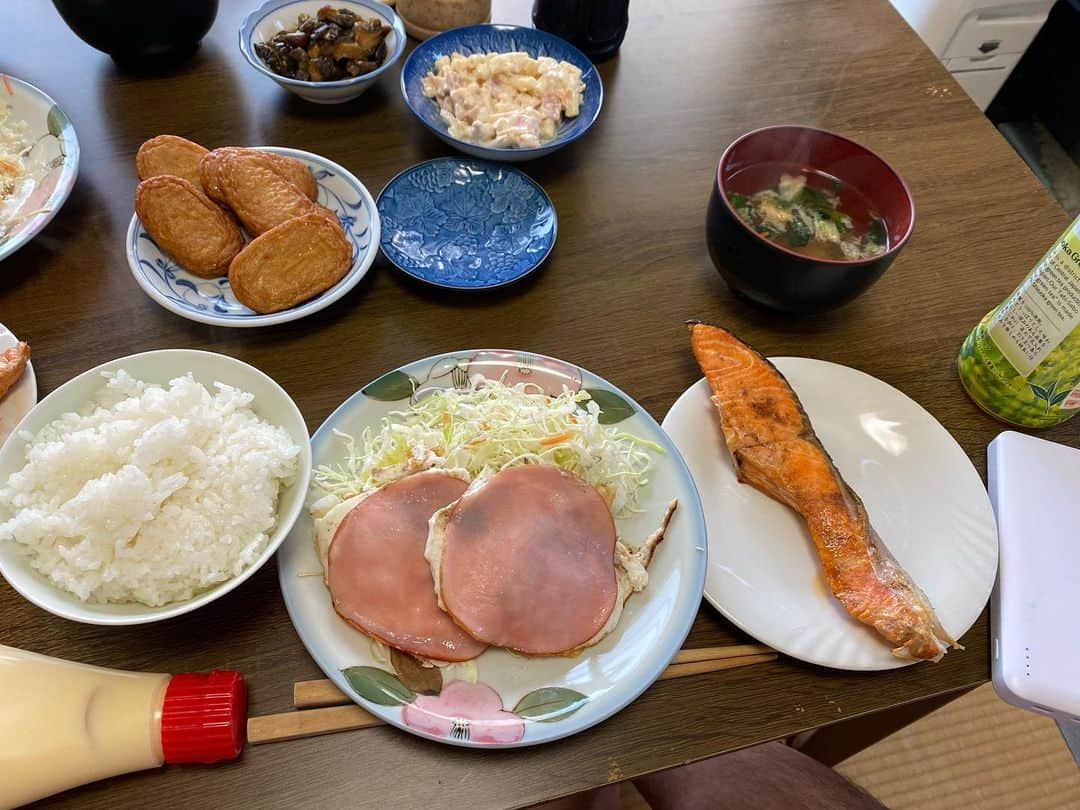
[(466, 224), (771, 274), (271, 402), (500, 39), (281, 15), (425, 18)]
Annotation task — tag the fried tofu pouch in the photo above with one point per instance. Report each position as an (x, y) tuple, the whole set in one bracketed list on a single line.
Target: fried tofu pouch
[(170, 154), (290, 263), (191, 229), (212, 170), (260, 197)]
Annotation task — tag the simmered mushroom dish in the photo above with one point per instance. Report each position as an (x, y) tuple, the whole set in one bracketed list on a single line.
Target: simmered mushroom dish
[(333, 45)]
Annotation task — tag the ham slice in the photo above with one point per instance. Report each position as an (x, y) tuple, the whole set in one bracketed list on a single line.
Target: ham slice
[(526, 560), (378, 578)]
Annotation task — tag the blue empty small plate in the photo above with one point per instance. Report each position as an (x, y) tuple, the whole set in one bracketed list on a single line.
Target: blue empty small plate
[(466, 224)]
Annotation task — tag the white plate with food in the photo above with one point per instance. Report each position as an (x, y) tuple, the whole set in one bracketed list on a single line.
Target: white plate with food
[(272, 289), (925, 506), (149, 486), (39, 160), (18, 386), (485, 561)]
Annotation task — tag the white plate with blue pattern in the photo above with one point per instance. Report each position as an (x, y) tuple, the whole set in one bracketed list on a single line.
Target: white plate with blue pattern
[(466, 224), (212, 300)]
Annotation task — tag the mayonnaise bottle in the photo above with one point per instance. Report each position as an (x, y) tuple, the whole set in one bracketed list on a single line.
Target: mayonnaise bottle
[(64, 724)]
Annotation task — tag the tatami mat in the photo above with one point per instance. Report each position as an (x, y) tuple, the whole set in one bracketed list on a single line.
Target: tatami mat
[(976, 752)]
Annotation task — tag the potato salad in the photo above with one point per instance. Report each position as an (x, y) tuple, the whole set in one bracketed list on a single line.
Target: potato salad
[(508, 100)]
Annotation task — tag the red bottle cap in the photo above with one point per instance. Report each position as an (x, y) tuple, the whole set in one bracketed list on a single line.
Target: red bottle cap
[(204, 717)]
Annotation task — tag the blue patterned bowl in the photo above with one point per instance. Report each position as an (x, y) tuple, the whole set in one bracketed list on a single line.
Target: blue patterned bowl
[(466, 224), (472, 39), (212, 300)]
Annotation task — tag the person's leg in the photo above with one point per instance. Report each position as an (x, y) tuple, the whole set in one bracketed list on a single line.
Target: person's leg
[(765, 777), (606, 798)]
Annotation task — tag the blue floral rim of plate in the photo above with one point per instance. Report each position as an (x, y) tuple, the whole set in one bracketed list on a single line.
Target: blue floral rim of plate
[(211, 300), (500, 38), (466, 224)]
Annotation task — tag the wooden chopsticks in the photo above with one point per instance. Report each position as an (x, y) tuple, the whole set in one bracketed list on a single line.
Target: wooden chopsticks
[(270, 728), (325, 709)]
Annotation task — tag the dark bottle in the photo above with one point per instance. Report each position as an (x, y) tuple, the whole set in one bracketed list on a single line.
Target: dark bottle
[(597, 27)]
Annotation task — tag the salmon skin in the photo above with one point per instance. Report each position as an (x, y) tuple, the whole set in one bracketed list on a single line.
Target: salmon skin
[(774, 448)]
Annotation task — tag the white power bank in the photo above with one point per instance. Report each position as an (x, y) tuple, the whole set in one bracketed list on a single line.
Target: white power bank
[(1035, 608)]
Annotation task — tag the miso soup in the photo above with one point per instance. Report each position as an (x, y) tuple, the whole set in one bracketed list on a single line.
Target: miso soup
[(809, 212)]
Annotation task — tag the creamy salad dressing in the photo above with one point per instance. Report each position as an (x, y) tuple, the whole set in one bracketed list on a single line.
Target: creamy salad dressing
[(504, 99)]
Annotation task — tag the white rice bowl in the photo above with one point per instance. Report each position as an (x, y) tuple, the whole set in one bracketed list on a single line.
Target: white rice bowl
[(150, 494), (149, 486)]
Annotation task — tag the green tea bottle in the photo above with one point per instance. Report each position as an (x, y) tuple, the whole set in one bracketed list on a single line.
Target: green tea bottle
[(1022, 362)]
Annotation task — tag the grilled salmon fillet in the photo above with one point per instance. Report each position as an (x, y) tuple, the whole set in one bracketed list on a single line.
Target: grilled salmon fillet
[(12, 364), (774, 449)]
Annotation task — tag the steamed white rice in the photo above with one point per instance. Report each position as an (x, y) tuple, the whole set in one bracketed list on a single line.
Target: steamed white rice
[(150, 494)]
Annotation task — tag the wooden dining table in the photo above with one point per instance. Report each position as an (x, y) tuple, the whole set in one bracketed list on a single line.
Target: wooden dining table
[(629, 268)]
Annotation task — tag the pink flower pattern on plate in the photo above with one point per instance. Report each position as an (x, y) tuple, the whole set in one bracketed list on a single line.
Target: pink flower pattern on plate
[(548, 375), (470, 712)]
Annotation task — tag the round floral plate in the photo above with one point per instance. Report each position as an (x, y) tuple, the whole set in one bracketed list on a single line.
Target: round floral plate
[(212, 300), (21, 397), (466, 224), (50, 155), (501, 699)]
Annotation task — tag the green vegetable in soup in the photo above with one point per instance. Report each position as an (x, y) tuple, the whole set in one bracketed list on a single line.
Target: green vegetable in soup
[(876, 232), (818, 198), (808, 219), (798, 232)]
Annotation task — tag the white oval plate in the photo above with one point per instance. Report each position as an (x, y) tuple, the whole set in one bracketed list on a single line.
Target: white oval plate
[(271, 402), (924, 497), (21, 397), (212, 300), (55, 155), (586, 688)]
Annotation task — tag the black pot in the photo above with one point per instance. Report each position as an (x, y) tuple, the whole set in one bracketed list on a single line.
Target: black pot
[(136, 33)]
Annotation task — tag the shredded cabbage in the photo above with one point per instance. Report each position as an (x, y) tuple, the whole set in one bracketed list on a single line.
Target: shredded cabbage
[(491, 426)]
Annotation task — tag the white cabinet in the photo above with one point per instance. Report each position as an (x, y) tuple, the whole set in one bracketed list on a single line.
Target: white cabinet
[(992, 30), (983, 82), (979, 41)]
